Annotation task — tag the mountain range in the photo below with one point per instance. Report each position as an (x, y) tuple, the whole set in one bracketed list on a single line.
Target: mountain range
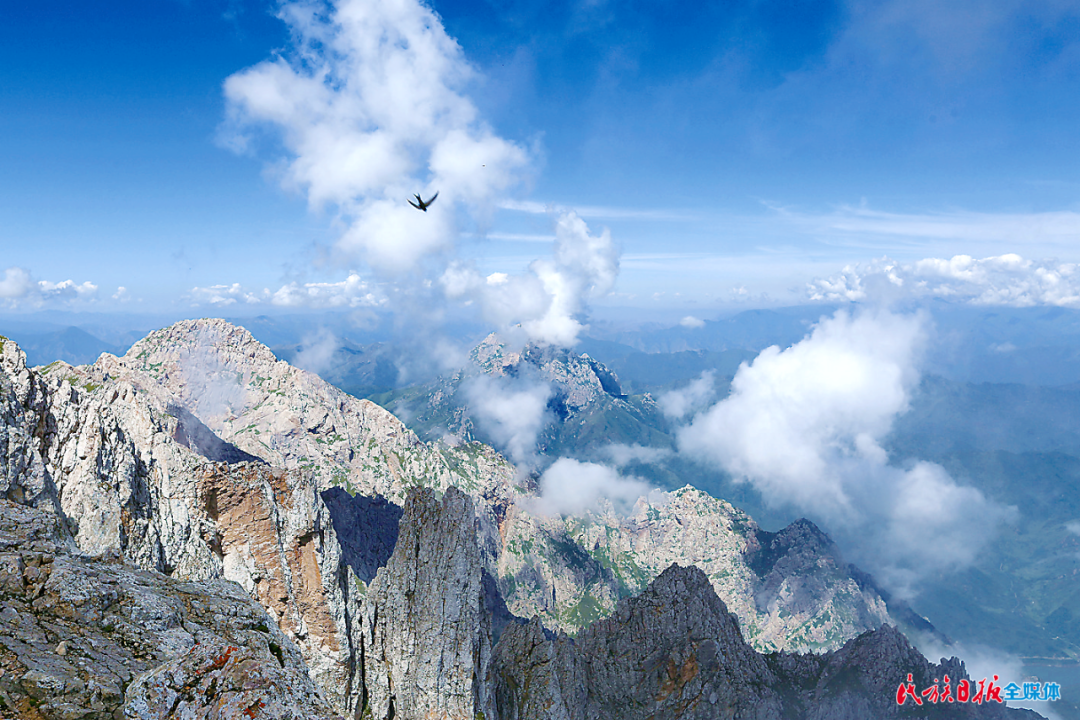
[(200, 456)]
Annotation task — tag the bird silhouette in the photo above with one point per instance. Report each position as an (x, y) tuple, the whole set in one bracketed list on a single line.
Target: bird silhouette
[(420, 204)]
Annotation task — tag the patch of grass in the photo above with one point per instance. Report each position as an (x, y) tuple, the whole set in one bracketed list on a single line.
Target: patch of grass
[(583, 612)]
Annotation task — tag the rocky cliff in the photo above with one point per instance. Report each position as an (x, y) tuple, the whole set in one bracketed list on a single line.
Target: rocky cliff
[(98, 639), (427, 629), (675, 652)]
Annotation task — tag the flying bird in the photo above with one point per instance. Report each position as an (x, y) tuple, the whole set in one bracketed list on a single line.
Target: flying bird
[(420, 204)]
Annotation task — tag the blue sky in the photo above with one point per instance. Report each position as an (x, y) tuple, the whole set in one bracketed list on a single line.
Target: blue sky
[(731, 150)]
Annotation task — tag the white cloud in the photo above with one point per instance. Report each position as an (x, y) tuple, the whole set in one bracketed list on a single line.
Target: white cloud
[(621, 454), (1046, 229), (533, 207), (317, 351), (1073, 526), (1001, 280), (371, 108), (570, 487), (692, 322), (804, 425), (222, 295), (694, 396), (352, 292), (122, 294), (18, 286), (547, 300), (512, 411)]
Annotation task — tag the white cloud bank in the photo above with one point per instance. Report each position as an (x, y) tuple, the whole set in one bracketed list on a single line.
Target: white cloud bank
[(1001, 280), (548, 300), (804, 425), (692, 322), (370, 107), (512, 411), (571, 487), (351, 292), (19, 287), (697, 394), (622, 454)]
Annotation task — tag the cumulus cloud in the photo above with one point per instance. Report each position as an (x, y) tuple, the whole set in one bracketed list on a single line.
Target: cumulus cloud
[(1001, 280), (621, 454), (805, 425), (18, 286), (683, 401), (571, 487), (352, 292), (222, 295), (370, 106), (548, 300), (692, 322), (512, 411)]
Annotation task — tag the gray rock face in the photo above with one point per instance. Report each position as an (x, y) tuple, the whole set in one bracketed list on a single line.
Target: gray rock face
[(790, 591), (675, 652), (89, 638), (219, 681), (427, 636), (162, 457)]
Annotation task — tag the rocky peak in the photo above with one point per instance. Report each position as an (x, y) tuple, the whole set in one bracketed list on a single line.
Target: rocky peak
[(427, 636), (578, 379), (292, 419), (675, 652)]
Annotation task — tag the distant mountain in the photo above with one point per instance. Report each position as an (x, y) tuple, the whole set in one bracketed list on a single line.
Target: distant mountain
[(71, 345), (1030, 346), (361, 371), (752, 330), (590, 413)]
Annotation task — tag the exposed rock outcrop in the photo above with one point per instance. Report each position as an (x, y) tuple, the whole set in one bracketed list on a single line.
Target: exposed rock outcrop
[(427, 634), (292, 419), (790, 591), (128, 454), (675, 652), (95, 638)]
